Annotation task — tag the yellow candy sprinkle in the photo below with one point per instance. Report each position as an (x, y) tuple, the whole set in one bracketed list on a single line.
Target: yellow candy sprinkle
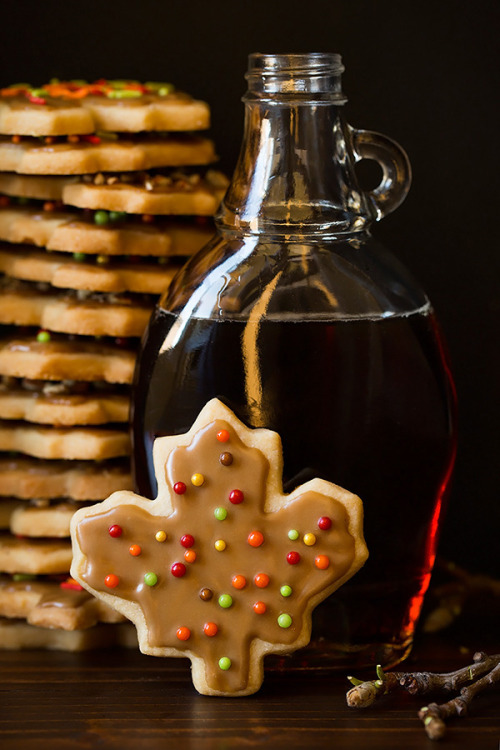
[(220, 545), (309, 539), (197, 480), (160, 536)]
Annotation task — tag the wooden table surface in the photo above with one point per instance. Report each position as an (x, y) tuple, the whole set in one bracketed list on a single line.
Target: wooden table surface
[(125, 700)]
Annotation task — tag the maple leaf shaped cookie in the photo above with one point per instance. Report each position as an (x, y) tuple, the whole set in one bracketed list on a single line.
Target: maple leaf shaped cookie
[(222, 568)]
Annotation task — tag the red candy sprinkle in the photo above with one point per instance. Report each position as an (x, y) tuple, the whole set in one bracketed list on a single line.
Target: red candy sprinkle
[(178, 569), (324, 523), (255, 538), (239, 582), (293, 558), (259, 608), (183, 634), (179, 488), (236, 497), (187, 540), (223, 436), (210, 629), (115, 530), (71, 584), (111, 581), (261, 580)]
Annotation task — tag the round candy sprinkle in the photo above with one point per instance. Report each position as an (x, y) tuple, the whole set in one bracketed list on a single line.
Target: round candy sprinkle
[(236, 497), (206, 594), (309, 539), (210, 629), (226, 459), (286, 590), (220, 514), (284, 620), (255, 538), (111, 581), (183, 633), (43, 337), (225, 663), (259, 608), (239, 582), (79, 257), (190, 555), (178, 569), (322, 562), (293, 558), (225, 601), (197, 480), (324, 523), (160, 536), (101, 218), (135, 550), (102, 260), (179, 488), (115, 530), (293, 534), (187, 540), (223, 436), (261, 580), (220, 545), (150, 579)]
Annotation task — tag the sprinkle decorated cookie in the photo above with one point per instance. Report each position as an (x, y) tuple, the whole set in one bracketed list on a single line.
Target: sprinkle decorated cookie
[(223, 567)]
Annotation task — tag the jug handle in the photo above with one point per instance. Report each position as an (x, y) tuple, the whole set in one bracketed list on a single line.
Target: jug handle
[(396, 169)]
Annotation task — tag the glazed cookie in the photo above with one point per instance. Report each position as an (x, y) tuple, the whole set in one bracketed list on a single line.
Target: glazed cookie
[(18, 634), (73, 443), (222, 568), (36, 556), (52, 357), (123, 154), (177, 194), (23, 304), (69, 232), (63, 605), (29, 478), (78, 271)]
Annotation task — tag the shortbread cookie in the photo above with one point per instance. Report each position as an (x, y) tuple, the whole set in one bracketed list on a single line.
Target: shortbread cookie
[(29, 478), (64, 410), (76, 108), (7, 508), (158, 195), (100, 315), (38, 556), (18, 634), (70, 272), (28, 186), (72, 443), (33, 157), (51, 521), (61, 358), (50, 604), (222, 567), (69, 232)]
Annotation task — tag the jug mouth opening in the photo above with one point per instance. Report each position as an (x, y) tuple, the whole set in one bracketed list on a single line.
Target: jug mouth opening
[(295, 74)]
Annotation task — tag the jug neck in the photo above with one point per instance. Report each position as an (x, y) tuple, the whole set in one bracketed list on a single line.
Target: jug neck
[(295, 172)]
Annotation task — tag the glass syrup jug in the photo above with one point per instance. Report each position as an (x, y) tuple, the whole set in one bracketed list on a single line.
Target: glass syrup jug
[(301, 322)]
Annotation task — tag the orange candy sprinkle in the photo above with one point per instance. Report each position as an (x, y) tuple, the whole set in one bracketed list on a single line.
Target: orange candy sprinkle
[(255, 538), (261, 580), (239, 582), (183, 633), (259, 608), (322, 562), (210, 629), (190, 555), (135, 550), (111, 581), (223, 436)]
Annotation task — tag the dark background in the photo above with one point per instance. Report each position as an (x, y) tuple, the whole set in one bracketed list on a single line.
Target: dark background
[(424, 73)]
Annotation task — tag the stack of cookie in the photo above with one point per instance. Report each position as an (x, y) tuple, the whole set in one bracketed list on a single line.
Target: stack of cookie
[(90, 176)]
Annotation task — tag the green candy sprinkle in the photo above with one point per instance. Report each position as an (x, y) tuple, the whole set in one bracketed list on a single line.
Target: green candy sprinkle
[(286, 590), (23, 577), (38, 92), (220, 514), (43, 337), (293, 534), (225, 601), (124, 94), (150, 579), (225, 663), (117, 215), (284, 620), (101, 218), (80, 257)]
